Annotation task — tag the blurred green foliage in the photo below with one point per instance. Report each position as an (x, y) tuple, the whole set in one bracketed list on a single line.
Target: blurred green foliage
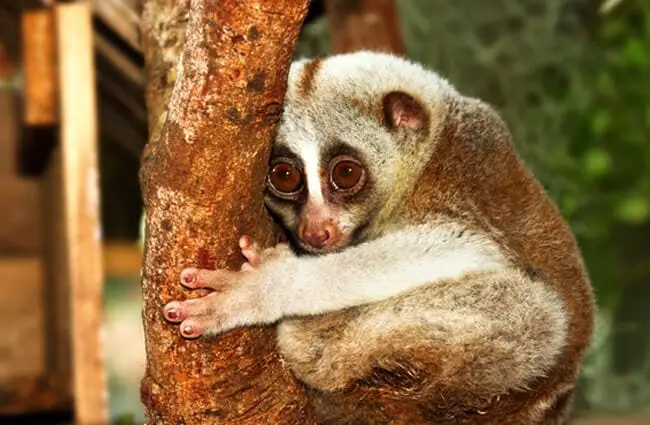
[(573, 84), (607, 130)]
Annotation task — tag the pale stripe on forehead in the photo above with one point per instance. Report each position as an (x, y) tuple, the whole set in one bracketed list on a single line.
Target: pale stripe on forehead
[(304, 140), (310, 154)]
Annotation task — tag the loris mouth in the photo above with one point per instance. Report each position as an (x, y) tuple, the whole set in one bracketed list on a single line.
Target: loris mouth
[(308, 248)]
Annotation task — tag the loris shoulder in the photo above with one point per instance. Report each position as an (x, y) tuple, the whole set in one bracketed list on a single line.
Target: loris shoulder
[(436, 281)]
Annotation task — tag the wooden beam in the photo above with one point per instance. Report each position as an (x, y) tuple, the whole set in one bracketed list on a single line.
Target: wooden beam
[(129, 100), (122, 129), (364, 25), (122, 18), (20, 232), (24, 384), (56, 289), (10, 26), (80, 203), (21, 344), (127, 68), (8, 133), (122, 259), (40, 97), (39, 64), (7, 69)]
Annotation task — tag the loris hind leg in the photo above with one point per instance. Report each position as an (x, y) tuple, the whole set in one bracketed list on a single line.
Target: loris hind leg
[(482, 335)]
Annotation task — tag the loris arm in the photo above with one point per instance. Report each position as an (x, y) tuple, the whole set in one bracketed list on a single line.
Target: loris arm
[(439, 300), (301, 286), (481, 335)]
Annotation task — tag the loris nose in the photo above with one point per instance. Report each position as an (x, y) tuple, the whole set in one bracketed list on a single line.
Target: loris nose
[(317, 238), (318, 234)]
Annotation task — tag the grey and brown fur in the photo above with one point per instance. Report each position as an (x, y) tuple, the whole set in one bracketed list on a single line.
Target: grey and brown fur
[(460, 296)]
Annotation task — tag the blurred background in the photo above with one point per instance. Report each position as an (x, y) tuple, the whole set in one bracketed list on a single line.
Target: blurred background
[(570, 77)]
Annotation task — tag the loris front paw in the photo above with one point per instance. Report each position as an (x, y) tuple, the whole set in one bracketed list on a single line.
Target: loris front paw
[(239, 298)]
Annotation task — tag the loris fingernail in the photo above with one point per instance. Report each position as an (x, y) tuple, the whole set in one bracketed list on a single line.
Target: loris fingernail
[(172, 314), (188, 278), (245, 242)]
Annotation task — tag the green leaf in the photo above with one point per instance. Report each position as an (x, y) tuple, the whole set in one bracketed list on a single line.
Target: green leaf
[(633, 210), (613, 28), (605, 83), (600, 122), (569, 205), (647, 116), (597, 162), (637, 52)]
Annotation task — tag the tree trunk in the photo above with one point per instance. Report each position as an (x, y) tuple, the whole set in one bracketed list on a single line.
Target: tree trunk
[(364, 25), (202, 177)]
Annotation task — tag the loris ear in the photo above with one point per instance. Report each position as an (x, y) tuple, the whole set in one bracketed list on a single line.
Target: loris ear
[(403, 110)]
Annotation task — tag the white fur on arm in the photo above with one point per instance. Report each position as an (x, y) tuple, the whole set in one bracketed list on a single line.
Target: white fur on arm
[(376, 270), (485, 333)]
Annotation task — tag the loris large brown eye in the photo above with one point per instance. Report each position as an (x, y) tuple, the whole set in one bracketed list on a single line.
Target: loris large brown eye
[(285, 179), (347, 174)]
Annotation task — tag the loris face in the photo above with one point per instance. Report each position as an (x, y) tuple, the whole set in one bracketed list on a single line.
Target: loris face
[(347, 150), (324, 197)]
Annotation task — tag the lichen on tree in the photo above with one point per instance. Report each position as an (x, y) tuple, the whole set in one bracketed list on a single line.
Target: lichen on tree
[(212, 114)]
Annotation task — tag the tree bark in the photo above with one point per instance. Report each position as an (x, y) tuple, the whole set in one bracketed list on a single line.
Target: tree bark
[(202, 177), (364, 25)]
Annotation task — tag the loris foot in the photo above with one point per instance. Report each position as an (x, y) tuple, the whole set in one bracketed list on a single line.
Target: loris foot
[(238, 298)]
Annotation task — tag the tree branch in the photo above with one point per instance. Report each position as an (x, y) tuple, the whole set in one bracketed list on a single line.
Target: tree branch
[(364, 24), (202, 176)]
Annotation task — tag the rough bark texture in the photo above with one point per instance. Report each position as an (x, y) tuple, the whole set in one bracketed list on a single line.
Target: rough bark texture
[(364, 25), (202, 178), (163, 34)]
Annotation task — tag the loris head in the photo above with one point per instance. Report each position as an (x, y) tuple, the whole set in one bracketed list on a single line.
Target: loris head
[(356, 132)]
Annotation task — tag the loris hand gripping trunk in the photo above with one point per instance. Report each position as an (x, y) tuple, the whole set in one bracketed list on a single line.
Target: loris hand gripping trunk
[(430, 279)]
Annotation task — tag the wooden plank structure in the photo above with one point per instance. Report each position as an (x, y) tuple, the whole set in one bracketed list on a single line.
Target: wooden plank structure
[(25, 380), (80, 205), (39, 64), (364, 24), (58, 309)]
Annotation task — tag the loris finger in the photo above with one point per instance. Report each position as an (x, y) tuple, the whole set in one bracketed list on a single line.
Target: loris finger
[(246, 267), (251, 251), (203, 278), (178, 311), (192, 328)]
